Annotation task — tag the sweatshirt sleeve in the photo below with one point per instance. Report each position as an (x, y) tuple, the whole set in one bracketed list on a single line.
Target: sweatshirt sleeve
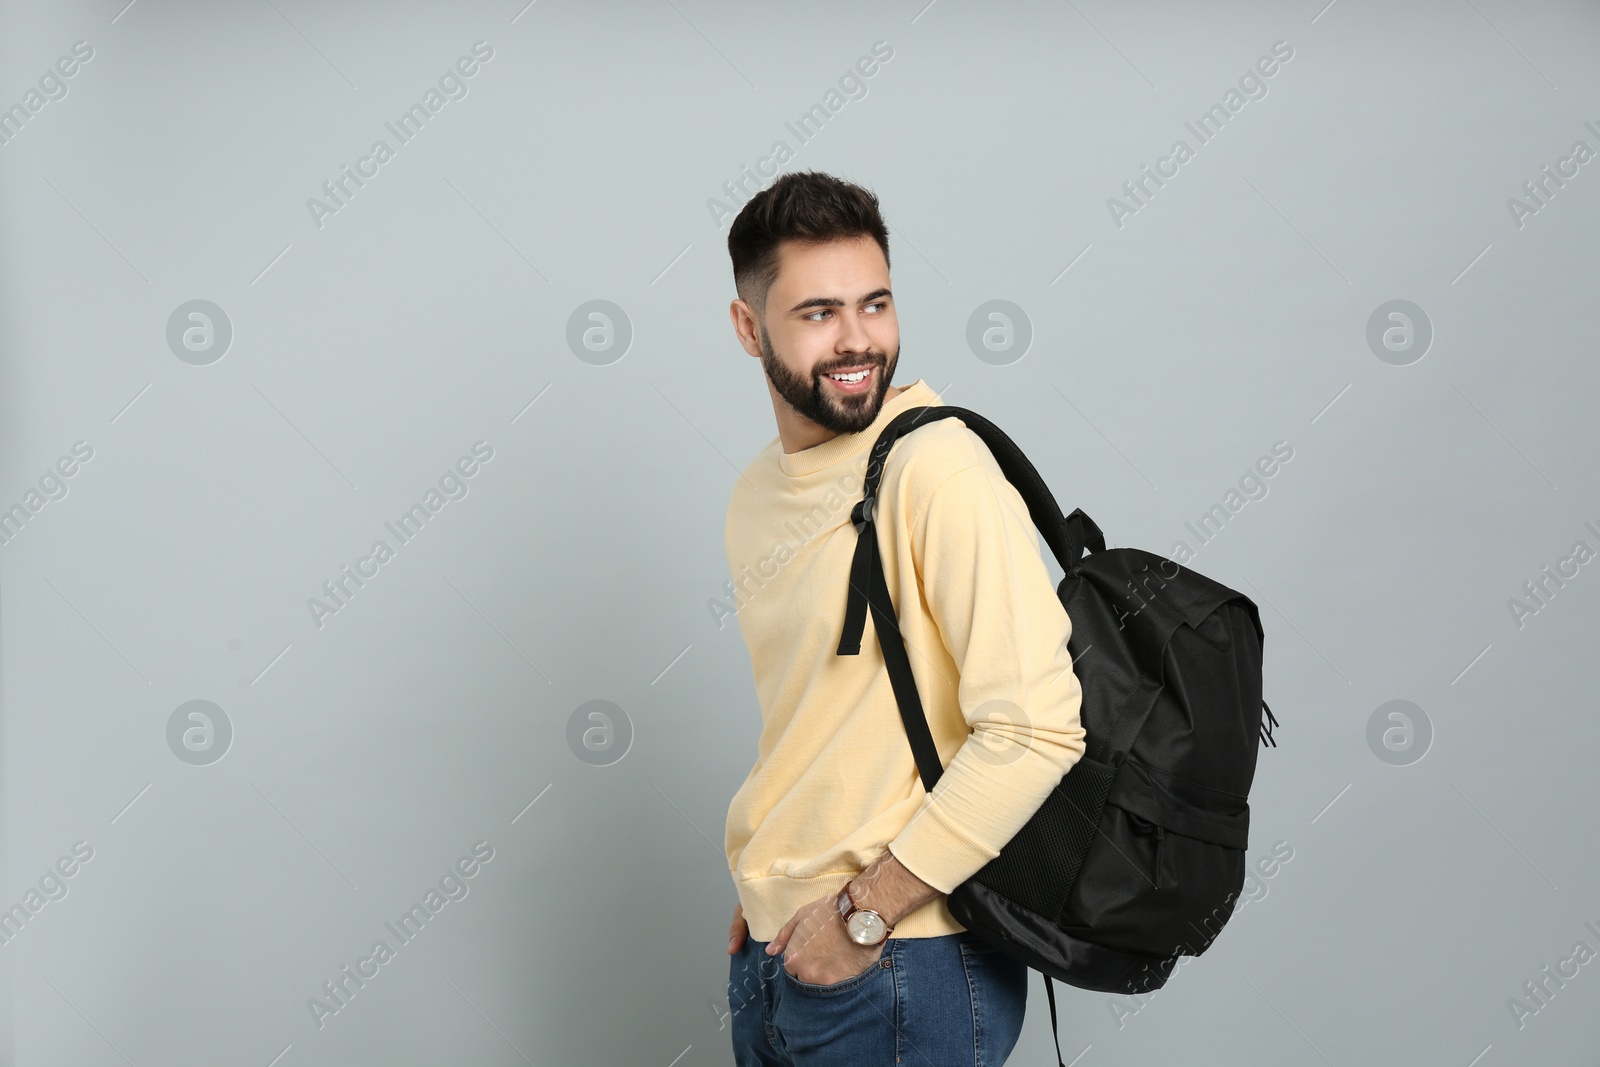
[(978, 560)]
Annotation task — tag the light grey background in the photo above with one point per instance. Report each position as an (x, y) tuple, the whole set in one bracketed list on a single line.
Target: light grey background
[(431, 312)]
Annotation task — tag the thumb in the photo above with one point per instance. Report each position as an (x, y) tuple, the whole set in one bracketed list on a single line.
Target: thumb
[(781, 939), (738, 931)]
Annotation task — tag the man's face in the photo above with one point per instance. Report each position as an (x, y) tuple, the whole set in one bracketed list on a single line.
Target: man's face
[(830, 311)]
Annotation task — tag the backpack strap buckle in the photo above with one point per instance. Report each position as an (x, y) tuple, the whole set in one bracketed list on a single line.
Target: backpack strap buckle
[(861, 514)]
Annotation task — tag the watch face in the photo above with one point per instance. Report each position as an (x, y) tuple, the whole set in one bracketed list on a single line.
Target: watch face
[(866, 928)]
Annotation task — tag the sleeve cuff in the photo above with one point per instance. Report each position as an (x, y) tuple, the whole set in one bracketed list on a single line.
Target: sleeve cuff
[(936, 852)]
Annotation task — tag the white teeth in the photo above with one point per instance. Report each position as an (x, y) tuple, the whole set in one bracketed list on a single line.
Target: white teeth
[(856, 377)]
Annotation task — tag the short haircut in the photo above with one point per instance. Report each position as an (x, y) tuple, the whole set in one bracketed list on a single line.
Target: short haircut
[(806, 206)]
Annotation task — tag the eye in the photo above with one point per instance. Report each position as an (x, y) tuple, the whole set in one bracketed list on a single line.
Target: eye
[(820, 311)]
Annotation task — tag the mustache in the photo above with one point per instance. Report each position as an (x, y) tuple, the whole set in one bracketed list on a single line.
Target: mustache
[(871, 363)]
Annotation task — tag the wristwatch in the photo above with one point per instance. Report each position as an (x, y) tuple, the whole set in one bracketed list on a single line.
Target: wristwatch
[(865, 926)]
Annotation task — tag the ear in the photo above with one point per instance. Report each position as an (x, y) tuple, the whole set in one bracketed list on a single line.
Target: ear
[(746, 327)]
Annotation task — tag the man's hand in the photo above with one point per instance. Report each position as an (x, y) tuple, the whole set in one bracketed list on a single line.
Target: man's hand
[(819, 946)]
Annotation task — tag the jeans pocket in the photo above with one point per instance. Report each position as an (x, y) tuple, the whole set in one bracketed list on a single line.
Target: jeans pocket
[(844, 985)]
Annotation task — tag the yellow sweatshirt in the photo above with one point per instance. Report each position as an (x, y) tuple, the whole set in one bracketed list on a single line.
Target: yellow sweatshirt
[(834, 781)]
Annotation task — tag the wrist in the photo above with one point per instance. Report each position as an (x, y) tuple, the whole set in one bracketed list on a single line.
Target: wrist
[(889, 889), (862, 895)]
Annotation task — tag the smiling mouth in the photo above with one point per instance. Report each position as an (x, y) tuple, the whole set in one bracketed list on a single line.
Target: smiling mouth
[(852, 379)]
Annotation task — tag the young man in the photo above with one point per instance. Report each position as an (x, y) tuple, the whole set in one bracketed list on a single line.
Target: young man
[(833, 821)]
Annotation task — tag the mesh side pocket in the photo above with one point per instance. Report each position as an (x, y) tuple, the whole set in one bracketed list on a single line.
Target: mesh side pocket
[(1036, 868)]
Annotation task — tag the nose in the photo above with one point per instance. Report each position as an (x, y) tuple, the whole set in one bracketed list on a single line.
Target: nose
[(853, 338)]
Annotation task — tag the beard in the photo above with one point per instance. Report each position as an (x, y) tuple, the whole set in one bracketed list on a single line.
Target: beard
[(832, 410)]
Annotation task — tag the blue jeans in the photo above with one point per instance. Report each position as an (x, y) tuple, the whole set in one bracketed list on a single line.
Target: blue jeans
[(948, 1001)]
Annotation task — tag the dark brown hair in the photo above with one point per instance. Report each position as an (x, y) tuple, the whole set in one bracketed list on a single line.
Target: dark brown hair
[(806, 206)]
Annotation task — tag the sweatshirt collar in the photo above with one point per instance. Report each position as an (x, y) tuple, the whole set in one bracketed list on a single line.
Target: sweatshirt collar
[(843, 446)]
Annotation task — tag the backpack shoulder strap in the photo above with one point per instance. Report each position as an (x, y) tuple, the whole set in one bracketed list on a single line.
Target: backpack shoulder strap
[(1067, 538)]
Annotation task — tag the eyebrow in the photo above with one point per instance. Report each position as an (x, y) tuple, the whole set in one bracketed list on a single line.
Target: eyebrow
[(835, 302)]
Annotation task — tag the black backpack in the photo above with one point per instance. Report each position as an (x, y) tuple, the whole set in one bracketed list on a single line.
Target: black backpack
[(1137, 857)]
